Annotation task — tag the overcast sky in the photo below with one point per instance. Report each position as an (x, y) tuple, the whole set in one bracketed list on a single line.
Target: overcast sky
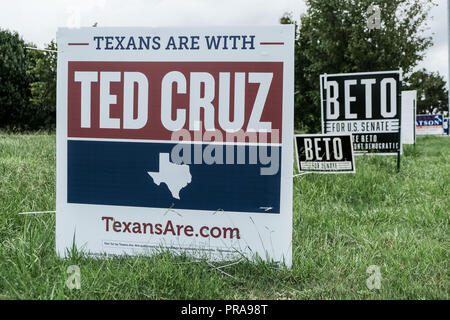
[(37, 21)]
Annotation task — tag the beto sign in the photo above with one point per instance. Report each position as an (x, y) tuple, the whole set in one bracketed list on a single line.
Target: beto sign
[(175, 138), (367, 105), (322, 153)]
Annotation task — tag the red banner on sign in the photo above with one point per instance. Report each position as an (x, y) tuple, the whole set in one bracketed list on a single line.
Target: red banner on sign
[(124, 100)]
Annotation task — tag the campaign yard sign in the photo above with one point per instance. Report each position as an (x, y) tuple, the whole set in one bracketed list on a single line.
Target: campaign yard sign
[(446, 126), (430, 124), (323, 153), (367, 105), (409, 100), (175, 139)]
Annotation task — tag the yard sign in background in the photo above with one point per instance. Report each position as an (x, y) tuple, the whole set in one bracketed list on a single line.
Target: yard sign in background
[(367, 105), (409, 102), (323, 153), (430, 124), (128, 185)]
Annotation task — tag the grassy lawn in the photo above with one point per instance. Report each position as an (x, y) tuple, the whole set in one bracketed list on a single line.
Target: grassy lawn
[(342, 225)]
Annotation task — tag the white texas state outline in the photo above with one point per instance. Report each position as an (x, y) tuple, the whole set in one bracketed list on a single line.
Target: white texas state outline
[(175, 176)]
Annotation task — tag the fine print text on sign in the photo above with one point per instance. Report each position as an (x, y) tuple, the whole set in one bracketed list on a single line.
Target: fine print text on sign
[(367, 105), (429, 124), (175, 139), (324, 153)]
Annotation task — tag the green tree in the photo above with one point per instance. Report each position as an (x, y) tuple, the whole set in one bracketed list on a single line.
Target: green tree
[(333, 37), (42, 72), (14, 81), (432, 94)]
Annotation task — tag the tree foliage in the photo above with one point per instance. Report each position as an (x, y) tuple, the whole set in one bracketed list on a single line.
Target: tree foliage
[(42, 71), (333, 37), (27, 84), (14, 80), (432, 95)]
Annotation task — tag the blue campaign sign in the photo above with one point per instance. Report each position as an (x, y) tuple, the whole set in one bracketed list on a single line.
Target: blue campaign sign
[(429, 124), (446, 126)]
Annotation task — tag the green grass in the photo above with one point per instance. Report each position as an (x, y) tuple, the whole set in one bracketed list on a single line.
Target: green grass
[(342, 224)]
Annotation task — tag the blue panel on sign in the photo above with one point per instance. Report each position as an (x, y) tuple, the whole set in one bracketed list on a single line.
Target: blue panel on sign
[(144, 175)]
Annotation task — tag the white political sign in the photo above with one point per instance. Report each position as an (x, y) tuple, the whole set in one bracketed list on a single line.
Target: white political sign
[(409, 102), (176, 139)]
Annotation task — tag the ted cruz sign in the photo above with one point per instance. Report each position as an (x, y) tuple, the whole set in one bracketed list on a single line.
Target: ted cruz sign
[(367, 105), (323, 153), (177, 139)]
